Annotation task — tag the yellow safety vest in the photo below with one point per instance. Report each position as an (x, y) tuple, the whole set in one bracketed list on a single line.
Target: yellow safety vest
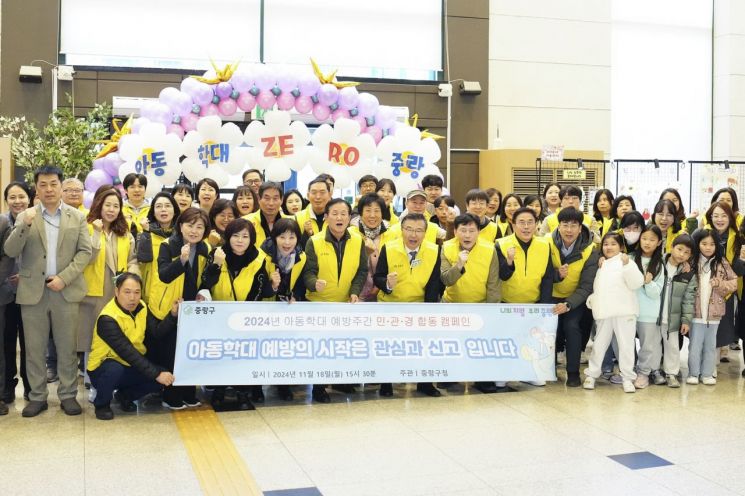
[(569, 284), (297, 269), (489, 232), (394, 232), (163, 297), (151, 281), (525, 284), (504, 228), (95, 271), (238, 290), (471, 287), (394, 217), (305, 215), (411, 280), (255, 219), (338, 283), (605, 226), (133, 329), (670, 238), (127, 210)]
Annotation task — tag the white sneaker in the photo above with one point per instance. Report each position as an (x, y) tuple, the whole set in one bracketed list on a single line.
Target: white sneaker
[(536, 383), (628, 387), (693, 381), (709, 381), (589, 383)]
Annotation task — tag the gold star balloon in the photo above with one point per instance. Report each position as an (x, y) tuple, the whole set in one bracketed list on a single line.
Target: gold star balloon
[(331, 77), (112, 145)]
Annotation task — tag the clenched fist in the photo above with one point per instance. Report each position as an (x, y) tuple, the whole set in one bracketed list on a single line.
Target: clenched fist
[(320, 285), (185, 250), (563, 271), (97, 225), (647, 278), (624, 258), (219, 256), (276, 278), (392, 279), (511, 255), (29, 215)]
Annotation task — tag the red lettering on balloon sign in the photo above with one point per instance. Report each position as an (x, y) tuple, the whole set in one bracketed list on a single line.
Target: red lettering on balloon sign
[(278, 146), (343, 154)]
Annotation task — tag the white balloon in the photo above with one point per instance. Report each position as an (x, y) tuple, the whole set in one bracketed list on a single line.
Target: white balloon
[(130, 146), (154, 185), (230, 133), (193, 169), (209, 126), (278, 171), (152, 131), (277, 120), (219, 175), (192, 141), (347, 129), (254, 132)]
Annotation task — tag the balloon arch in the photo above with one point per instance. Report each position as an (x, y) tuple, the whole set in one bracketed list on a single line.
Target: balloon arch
[(183, 132)]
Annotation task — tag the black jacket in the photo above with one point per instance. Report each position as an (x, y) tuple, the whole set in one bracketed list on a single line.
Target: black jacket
[(170, 266), (285, 291)]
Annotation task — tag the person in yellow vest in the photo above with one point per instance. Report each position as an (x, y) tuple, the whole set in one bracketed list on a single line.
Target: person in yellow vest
[(551, 198), (161, 220), (117, 361), (664, 217), (181, 262), (408, 270), (270, 204), (184, 196), (113, 253), (575, 262), (445, 211), (373, 229), (312, 218), (222, 213), (416, 203), (510, 205), (525, 265), (469, 269), (386, 189), (72, 194), (335, 268), (495, 200), (571, 196), (477, 202), (602, 206), (729, 196), (622, 204), (236, 271), (136, 207), (245, 200)]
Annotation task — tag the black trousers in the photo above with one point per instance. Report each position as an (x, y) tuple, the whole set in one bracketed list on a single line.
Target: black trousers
[(14, 334), (572, 335)]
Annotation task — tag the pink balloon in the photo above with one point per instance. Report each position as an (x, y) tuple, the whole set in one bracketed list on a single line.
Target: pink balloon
[(375, 132), (285, 101), (175, 129), (246, 102), (338, 113), (303, 104), (321, 112), (266, 99), (210, 109), (227, 107), (361, 121), (189, 122)]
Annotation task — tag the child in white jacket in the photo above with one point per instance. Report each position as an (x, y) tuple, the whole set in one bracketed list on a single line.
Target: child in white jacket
[(615, 309)]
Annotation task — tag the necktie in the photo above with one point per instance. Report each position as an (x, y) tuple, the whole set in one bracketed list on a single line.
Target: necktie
[(412, 256)]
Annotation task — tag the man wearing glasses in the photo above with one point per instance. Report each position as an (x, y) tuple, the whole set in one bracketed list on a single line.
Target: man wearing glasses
[(416, 203), (408, 270), (72, 194), (253, 179)]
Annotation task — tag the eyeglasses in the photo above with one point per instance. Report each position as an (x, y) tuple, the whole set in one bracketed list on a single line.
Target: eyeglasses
[(72, 190), (409, 230), (252, 181)]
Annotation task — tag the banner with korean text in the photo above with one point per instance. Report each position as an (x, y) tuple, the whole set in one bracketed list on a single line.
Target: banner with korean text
[(235, 343)]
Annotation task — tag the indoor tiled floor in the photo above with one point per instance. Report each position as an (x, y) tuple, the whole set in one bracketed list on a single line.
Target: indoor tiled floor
[(542, 441)]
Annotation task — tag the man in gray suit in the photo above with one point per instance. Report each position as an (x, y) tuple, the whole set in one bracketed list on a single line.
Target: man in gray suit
[(52, 244)]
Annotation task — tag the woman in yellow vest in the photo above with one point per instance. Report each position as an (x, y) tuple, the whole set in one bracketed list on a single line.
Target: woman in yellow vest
[(161, 219), (181, 262), (373, 229), (184, 196), (664, 217), (729, 196), (510, 204), (117, 361), (551, 198), (336, 268), (222, 213), (285, 261), (525, 265), (495, 200), (602, 206), (245, 200), (690, 224), (386, 189), (207, 192), (113, 253)]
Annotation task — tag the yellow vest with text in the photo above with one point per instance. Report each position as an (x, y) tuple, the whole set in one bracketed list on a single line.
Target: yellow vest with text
[(128, 211), (525, 284), (162, 298), (132, 328), (223, 289), (411, 282), (569, 284), (394, 232), (338, 285), (305, 215), (295, 272), (95, 271), (471, 287)]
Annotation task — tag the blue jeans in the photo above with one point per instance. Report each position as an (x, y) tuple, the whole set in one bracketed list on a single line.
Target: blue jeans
[(112, 375), (702, 349)]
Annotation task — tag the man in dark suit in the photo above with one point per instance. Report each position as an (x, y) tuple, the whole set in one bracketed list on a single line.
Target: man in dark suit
[(53, 246)]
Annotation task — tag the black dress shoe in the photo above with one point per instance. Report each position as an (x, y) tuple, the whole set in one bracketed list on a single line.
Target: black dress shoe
[(125, 403), (386, 390), (104, 413), (485, 387), (429, 389), (344, 388), (9, 396), (241, 398), (285, 393), (257, 394), (573, 379), (445, 385), (320, 395)]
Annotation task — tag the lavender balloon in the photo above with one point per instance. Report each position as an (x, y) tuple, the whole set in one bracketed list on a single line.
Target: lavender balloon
[(264, 78), (161, 113), (112, 161), (348, 98), (87, 199), (97, 178), (367, 104), (202, 94), (138, 123), (385, 117), (327, 95), (308, 84), (168, 95), (182, 104), (188, 85), (223, 90), (241, 81), (286, 81), (99, 163)]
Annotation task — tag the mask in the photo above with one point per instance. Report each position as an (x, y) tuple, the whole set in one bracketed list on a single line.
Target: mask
[(632, 237)]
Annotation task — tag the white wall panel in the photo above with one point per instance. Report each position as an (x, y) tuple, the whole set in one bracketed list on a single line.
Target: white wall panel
[(582, 10)]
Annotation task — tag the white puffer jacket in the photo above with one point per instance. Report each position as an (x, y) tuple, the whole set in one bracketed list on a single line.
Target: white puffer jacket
[(614, 289)]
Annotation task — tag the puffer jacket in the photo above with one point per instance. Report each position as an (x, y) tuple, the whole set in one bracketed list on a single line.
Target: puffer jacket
[(727, 286), (682, 297)]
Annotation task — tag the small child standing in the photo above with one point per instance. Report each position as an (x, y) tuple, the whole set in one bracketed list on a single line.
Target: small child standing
[(615, 309), (716, 282)]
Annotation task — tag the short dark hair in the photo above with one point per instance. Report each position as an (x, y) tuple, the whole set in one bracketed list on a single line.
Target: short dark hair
[(632, 218), (476, 194), (327, 177), (210, 182), (617, 201), (235, 226), (183, 187), (244, 190), (151, 212), (432, 180), (570, 214), (684, 239), (48, 170), (193, 214), (284, 225), (220, 205), (367, 178), (288, 194), (249, 171), (524, 210), (370, 199), (319, 180), (414, 217), (449, 201), (271, 185), (732, 194), (124, 276), (464, 220), (130, 179), (21, 185), (571, 191), (336, 201)]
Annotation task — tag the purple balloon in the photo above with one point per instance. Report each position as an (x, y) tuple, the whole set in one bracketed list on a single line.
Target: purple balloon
[(112, 161), (138, 123), (97, 178), (99, 163), (264, 78), (161, 113), (327, 95), (223, 90), (286, 81), (348, 98), (367, 104), (188, 85), (241, 81), (308, 85), (87, 199), (321, 112), (182, 104), (201, 93), (303, 104), (168, 95), (385, 117)]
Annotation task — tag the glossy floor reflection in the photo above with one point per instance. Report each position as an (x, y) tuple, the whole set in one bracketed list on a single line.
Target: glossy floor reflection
[(543, 441)]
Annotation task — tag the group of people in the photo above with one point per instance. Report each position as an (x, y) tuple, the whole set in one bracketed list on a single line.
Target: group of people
[(96, 292)]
